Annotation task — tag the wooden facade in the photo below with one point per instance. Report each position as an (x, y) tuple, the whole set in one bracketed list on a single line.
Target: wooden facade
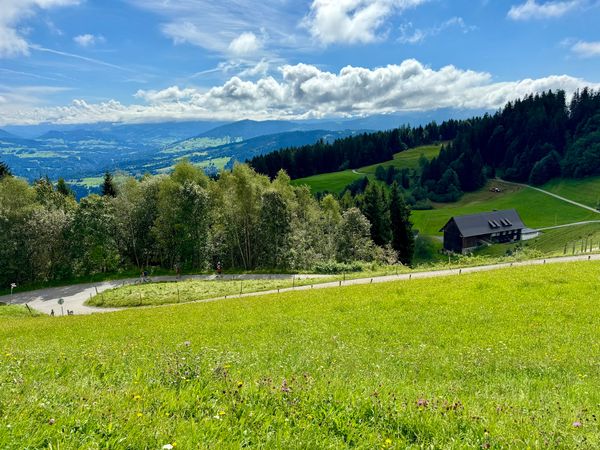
[(464, 234)]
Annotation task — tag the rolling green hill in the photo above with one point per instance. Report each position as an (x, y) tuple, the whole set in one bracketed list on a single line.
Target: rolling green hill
[(337, 181), (408, 159), (584, 190), (569, 240), (504, 359), (536, 209)]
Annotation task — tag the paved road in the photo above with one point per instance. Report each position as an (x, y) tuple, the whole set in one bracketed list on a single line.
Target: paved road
[(587, 222), (46, 299), (551, 194)]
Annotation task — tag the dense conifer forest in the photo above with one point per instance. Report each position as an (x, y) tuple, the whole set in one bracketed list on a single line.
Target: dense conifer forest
[(352, 152), (530, 140)]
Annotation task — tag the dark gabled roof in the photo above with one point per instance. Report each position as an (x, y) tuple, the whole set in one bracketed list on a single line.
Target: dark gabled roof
[(487, 223)]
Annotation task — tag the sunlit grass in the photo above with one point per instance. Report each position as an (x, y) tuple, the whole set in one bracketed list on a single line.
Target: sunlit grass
[(535, 208), (337, 181), (505, 359), (191, 290), (585, 190)]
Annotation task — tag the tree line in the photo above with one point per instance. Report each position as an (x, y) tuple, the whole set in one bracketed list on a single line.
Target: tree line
[(351, 152), (530, 140), (188, 221)]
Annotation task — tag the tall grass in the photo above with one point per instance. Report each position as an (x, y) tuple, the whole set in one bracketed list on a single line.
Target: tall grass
[(505, 359)]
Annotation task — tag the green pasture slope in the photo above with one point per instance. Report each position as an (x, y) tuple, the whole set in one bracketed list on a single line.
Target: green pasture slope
[(337, 181), (585, 190), (328, 182), (536, 208), (505, 359), (569, 240), (408, 159)]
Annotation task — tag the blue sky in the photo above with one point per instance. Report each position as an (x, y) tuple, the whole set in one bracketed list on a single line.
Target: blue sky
[(80, 61)]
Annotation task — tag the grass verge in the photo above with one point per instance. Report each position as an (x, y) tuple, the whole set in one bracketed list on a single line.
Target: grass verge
[(190, 290)]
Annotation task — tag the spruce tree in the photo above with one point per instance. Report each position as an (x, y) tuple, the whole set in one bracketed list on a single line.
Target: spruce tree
[(4, 170), (403, 240), (108, 187), (63, 188), (375, 209)]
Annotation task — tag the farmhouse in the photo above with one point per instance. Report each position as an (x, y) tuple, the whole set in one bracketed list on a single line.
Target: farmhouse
[(465, 233)]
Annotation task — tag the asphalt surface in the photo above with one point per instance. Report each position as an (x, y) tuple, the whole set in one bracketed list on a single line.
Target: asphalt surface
[(46, 300)]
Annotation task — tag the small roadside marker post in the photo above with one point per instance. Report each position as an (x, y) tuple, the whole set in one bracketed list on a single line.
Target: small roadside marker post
[(61, 302), (12, 286)]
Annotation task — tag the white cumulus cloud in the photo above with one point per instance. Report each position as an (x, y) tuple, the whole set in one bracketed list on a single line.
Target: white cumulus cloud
[(12, 13), (304, 91), (586, 49), (532, 9), (88, 40), (352, 21), (246, 44)]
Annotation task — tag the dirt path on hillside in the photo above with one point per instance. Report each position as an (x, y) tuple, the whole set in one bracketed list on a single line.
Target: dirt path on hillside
[(567, 225), (551, 194)]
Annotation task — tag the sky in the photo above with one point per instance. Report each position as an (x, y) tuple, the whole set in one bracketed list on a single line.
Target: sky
[(87, 61)]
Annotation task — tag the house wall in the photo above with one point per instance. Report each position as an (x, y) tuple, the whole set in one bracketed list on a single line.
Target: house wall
[(506, 236), (471, 243), (452, 239)]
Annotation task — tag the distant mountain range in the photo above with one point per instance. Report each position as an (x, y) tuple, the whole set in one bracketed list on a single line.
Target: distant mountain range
[(81, 153)]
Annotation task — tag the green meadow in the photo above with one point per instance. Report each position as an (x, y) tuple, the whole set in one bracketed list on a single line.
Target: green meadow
[(536, 208), (560, 241), (408, 159), (504, 359), (584, 190), (329, 182), (15, 311), (337, 181), (190, 290)]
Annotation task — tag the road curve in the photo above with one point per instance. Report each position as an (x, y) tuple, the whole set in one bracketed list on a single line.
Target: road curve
[(75, 296), (45, 300)]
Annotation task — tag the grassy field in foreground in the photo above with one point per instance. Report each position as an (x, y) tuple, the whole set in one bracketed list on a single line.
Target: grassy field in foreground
[(505, 359), (190, 290), (536, 209), (586, 190), (337, 181)]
